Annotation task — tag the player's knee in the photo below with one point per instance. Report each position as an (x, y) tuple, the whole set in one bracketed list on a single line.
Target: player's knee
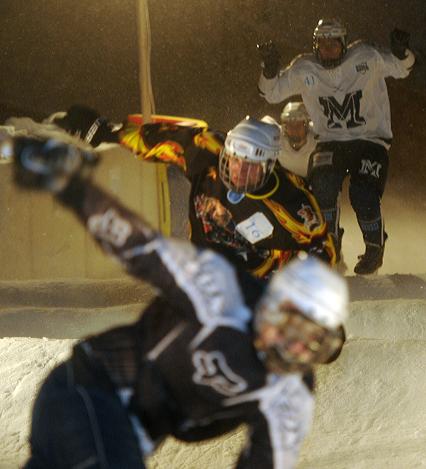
[(324, 180), (324, 190), (366, 203), (364, 199)]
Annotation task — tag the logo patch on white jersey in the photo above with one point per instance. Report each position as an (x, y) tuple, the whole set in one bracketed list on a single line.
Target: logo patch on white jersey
[(212, 370), (309, 80), (255, 228), (362, 68)]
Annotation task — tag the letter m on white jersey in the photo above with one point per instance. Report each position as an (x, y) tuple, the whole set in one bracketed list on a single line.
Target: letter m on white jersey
[(347, 112)]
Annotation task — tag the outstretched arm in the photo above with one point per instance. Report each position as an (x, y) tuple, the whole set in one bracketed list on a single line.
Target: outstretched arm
[(274, 85), (399, 62), (198, 282), (87, 124), (171, 140)]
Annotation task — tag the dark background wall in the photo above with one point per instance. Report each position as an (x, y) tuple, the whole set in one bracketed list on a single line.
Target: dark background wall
[(204, 61)]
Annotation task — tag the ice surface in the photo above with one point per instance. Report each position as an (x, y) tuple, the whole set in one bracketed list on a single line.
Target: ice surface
[(370, 404)]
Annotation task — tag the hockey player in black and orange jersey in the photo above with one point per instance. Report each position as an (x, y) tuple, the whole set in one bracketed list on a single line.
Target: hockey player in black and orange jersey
[(241, 203)]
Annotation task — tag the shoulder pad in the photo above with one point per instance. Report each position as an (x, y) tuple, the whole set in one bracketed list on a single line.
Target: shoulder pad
[(362, 47), (305, 57), (357, 43), (296, 180), (210, 140)]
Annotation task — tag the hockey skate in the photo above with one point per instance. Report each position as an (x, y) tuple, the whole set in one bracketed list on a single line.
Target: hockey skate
[(371, 260)]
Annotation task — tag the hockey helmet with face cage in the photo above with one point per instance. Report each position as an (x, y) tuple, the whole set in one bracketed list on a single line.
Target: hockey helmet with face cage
[(295, 123), (330, 28), (305, 305), (248, 156)]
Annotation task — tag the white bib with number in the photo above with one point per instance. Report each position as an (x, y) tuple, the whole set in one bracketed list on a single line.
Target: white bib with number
[(255, 228)]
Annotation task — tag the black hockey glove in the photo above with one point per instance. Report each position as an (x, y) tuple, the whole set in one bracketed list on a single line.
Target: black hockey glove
[(87, 124), (270, 58), (399, 43), (48, 164)]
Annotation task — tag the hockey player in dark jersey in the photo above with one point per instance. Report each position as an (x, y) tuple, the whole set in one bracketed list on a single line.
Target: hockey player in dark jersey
[(241, 203), (200, 361), (344, 90)]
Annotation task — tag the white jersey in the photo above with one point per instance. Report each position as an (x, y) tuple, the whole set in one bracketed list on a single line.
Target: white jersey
[(297, 161), (347, 102)]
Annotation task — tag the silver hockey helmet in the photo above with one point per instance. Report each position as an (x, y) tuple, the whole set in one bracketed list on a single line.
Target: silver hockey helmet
[(248, 156), (294, 111), (295, 123), (330, 28), (298, 320)]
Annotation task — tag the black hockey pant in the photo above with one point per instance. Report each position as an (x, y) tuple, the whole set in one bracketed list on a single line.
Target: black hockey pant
[(366, 163), (80, 427)]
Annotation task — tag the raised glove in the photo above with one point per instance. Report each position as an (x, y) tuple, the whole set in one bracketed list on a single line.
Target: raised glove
[(87, 124), (399, 40), (47, 164), (270, 58)]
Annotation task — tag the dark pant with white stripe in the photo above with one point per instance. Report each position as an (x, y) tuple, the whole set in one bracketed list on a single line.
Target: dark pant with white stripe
[(366, 163)]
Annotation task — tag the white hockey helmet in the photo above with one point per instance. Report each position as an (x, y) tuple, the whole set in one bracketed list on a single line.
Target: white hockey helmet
[(330, 28), (248, 156), (305, 305)]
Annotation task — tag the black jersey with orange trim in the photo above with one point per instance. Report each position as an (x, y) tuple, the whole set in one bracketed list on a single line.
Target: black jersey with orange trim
[(259, 232)]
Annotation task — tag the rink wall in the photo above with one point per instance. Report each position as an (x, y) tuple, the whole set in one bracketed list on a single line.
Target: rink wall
[(370, 403), (41, 240)]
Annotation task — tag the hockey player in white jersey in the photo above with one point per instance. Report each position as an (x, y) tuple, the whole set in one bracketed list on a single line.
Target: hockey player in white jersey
[(298, 140), (344, 91)]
